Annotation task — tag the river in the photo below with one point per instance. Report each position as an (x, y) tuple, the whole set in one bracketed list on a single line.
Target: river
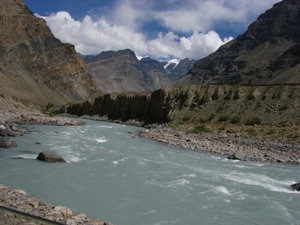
[(115, 175)]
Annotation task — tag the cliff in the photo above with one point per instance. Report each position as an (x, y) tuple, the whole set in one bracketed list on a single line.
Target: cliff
[(267, 53), (35, 67), (273, 104)]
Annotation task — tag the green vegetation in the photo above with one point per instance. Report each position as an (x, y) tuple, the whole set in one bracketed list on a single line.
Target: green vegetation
[(49, 106), (211, 117), (200, 129), (223, 118), (285, 107), (235, 119), (253, 121)]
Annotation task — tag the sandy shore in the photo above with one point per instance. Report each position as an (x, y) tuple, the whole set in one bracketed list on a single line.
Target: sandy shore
[(235, 147)]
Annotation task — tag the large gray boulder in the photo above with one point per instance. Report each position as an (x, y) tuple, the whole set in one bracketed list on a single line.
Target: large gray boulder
[(50, 157), (7, 143), (237, 156)]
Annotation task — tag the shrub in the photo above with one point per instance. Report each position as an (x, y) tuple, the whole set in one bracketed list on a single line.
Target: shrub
[(253, 121), (285, 107), (211, 117), (49, 106), (223, 118), (200, 129), (235, 119)]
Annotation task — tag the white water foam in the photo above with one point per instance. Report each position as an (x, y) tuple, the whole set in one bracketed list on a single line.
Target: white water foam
[(190, 175), (74, 159), (261, 181), (25, 156), (101, 140), (117, 162), (104, 126), (171, 184), (223, 190)]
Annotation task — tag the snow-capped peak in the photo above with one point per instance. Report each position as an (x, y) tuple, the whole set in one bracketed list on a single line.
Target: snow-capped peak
[(175, 61)]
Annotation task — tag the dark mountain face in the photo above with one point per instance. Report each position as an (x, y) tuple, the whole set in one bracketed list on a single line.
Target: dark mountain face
[(121, 71), (35, 67), (267, 53), (182, 68)]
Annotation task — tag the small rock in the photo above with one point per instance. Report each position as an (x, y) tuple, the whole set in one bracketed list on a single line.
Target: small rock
[(64, 211), (7, 143), (3, 130), (296, 186), (50, 157)]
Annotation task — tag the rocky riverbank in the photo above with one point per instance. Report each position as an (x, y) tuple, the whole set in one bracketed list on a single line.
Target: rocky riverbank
[(235, 147), (13, 115), (18, 200)]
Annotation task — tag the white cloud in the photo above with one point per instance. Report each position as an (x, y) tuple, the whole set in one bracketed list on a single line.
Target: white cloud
[(190, 15), (94, 36)]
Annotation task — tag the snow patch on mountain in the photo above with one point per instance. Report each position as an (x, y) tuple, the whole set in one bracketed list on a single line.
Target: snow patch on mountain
[(175, 61)]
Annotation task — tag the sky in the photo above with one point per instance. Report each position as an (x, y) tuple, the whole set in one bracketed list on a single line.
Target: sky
[(160, 29)]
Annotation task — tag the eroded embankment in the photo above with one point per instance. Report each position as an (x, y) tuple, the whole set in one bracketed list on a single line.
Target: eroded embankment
[(273, 104)]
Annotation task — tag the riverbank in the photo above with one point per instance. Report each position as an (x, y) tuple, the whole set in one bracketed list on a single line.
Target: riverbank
[(18, 200), (240, 148)]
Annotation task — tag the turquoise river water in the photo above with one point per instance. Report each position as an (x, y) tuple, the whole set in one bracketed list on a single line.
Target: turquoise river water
[(115, 175)]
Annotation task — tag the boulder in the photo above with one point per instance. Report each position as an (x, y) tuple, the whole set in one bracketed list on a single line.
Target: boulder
[(237, 156), (50, 157), (3, 130), (7, 143), (296, 186)]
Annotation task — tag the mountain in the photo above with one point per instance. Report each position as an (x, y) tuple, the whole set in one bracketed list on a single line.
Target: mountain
[(35, 67), (176, 70), (117, 71), (267, 53)]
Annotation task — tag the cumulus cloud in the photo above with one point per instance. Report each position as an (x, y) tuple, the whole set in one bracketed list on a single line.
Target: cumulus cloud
[(92, 36), (191, 15)]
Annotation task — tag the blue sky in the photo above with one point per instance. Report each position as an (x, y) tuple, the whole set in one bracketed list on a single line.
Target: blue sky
[(161, 29)]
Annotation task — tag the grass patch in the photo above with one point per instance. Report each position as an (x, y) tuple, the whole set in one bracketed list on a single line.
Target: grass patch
[(223, 118), (253, 121), (200, 129), (211, 117), (235, 119)]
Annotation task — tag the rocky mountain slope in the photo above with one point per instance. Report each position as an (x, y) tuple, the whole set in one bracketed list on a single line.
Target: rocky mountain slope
[(118, 71), (175, 71), (35, 67), (267, 53)]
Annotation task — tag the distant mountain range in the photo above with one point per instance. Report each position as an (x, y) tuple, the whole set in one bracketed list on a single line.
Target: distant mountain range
[(267, 53), (121, 71)]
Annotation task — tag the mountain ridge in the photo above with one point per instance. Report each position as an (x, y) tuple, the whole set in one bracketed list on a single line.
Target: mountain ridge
[(267, 53), (34, 61), (121, 71)]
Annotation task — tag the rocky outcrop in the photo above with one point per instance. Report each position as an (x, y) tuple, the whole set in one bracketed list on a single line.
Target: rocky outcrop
[(22, 209), (7, 143), (35, 67), (273, 104), (267, 53), (117, 71), (50, 157), (295, 187)]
